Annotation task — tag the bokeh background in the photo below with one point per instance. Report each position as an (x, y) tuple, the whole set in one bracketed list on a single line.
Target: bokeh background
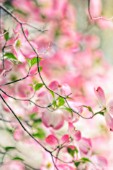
[(63, 66)]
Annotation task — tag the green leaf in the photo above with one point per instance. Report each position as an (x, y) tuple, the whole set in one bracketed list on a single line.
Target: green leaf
[(21, 12), (40, 68), (82, 160), (8, 5), (54, 103), (39, 134), (61, 101), (57, 33), (33, 61), (85, 160), (8, 148), (38, 121), (77, 163), (10, 130), (38, 86), (18, 158), (13, 77), (18, 43), (101, 113), (72, 151), (6, 35), (32, 116), (89, 108), (43, 16), (52, 93), (68, 109), (10, 56)]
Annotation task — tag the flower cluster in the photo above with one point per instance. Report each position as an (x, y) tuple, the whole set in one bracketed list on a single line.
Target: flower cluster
[(50, 117)]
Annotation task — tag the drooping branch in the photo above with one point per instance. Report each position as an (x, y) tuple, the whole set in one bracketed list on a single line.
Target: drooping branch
[(29, 134), (38, 63), (42, 80), (22, 123)]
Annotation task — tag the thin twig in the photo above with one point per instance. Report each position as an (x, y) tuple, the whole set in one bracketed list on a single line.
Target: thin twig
[(22, 123)]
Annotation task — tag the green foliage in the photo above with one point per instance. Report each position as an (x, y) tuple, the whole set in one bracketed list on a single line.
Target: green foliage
[(82, 160), (43, 16), (38, 86), (68, 109), (8, 4), (89, 108), (36, 123), (72, 152), (77, 163), (101, 113), (33, 61), (60, 102), (10, 130), (10, 56), (21, 12), (18, 158), (85, 160), (33, 116), (57, 33), (13, 77), (39, 134), (6, 35), (54, 103), (40, 68), (18, 43), (9, 148), (52, 93)]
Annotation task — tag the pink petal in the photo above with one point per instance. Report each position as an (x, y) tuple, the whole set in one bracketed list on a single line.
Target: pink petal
[(52, 140), (85, 145), (95, 8), (100, 95), (65, 90), (53, 119), (65, 138), (109, 121), (98, 161), (17, 29), (13, 165), (72, 147), (18, 134), (77, 135), (71, 128), (110, 107), (26, 32), (54, 85), (65, 167), (102, 161)]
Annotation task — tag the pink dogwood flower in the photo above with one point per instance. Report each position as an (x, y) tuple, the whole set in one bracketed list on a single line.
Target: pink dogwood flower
[(63, 90), (66, 167), (85, 145), (54, 141), (107, 106), (54, 119), (98, 163), (100, 95), (13, 165)]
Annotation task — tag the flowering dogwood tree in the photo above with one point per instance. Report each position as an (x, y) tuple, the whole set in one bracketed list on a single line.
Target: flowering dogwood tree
[(55, 88)]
